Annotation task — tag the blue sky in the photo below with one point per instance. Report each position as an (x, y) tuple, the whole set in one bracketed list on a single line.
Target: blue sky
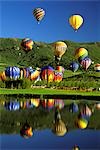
[(17, 20)]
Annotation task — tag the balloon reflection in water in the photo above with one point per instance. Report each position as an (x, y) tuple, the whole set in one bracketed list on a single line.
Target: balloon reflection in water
[(81, 123), (59, 127), (73, 107), (12, 105), (59, 104), (26, 131), (76, 147), (86, 111), (48, 104), (35, 102)]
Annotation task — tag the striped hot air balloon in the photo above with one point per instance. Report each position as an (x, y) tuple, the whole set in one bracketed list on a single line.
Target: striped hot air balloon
[(39, 14), (27, 44), (86, 62), (12, 72), (97, 67), (24, 73)]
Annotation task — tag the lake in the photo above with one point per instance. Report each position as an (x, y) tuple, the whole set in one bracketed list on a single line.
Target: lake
[(18, 113)]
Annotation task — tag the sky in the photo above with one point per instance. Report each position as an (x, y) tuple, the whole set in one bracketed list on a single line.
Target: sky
[(17, 20)]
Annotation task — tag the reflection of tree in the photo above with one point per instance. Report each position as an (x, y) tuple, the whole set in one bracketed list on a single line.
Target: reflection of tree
[(39, 118)]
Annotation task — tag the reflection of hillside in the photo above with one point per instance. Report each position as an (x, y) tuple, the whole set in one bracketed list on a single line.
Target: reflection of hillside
[(39, 119)]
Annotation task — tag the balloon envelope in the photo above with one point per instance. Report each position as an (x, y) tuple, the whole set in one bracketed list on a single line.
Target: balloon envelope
[(97, 67), (58, 76), (47, 73), (86, 62), (74, 66), (81, 52), (27, 44), (39, 14), (12, 72), (59, 49), (76, 21)]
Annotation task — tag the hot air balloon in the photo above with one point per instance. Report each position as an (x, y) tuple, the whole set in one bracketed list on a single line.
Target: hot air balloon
[(86, 111), (3, 76), (12, 72), (39, 14), (48, 103), (59, 104), (86, 62), (97, 67), (73, 107), (27, 44), (59, 49), (81, 123), (81, 53), (24, 73), (26, 131), (35, 73), (58, 76), (47, 73), (59, 127), (35, 102), (12, 105), (76, 147), (60, 69), (74, 66), (76, 21)]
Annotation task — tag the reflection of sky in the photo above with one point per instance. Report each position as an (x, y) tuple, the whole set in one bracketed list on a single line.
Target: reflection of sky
[(46, 140)]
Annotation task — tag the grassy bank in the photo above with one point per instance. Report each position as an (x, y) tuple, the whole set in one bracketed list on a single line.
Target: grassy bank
[(47, 91)]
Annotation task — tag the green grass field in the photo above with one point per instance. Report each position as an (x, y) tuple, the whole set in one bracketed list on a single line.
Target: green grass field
[(47, 91)]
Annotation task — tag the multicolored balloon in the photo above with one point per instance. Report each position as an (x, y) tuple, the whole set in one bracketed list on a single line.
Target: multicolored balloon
[(35, 102), (59, 49), (35, 73), (47, 73), (26, 131), (76, 21), (81, 53), (86, 62), (48, 103), (24, 73), (97, 67), (60, 69), (39, 14), (59, 104), (58, 76), (27, 44), (74, 66)]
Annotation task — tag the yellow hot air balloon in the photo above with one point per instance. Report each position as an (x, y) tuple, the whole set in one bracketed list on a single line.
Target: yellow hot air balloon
[(76, 21), (82, 123), (59, 128), (59, 49), (39, 14)]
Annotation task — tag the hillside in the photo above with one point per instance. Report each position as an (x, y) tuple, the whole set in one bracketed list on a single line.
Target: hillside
[(11, 53)]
